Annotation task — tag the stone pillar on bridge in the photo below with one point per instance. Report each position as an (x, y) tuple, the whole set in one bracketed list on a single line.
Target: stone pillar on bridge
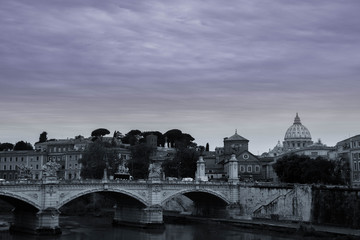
[(43, 222), (233, 169), (148, 217), (200, 170)]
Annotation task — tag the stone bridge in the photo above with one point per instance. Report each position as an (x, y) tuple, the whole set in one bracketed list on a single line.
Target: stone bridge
[(140, 203)]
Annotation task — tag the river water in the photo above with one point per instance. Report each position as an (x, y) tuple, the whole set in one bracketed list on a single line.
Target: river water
[(95, 228)]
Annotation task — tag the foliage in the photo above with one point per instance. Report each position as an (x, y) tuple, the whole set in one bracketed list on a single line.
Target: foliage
[(160, 137), (183, 164), (178, 139), (43, 137), (79, 137), (132, 137), (6, 146), (96, 158), (21, 145), (302, 169), (140, 159), (100, 132)]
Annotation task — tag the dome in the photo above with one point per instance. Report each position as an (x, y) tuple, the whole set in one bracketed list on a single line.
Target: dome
[(297, 130)]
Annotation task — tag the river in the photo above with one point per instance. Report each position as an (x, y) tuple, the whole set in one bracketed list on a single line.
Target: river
[(95, 228)]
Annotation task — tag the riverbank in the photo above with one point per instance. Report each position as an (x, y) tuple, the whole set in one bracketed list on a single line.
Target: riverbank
[(303, 229)]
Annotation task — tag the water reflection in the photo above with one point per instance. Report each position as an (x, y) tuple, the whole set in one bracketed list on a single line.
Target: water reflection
[(92, 228)]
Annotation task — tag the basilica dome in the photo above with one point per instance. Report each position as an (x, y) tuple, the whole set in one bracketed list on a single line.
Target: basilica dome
[(297, 135), (297, 130)]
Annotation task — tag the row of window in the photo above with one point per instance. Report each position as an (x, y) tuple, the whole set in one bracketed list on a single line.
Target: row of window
[(249, 168), (15, 159), (59, 149), (63, 157), (14, 176), (11, 167), (296, 144)]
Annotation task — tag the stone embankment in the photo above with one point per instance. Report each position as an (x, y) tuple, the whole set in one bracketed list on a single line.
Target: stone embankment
[(299, 228)]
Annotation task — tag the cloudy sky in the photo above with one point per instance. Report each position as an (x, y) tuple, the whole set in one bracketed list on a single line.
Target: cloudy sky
[(205, 67)]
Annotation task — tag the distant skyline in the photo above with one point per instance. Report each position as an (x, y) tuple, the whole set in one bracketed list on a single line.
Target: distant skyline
[(204, 67)]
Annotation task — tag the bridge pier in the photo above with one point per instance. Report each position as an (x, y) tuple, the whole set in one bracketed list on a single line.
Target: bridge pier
[(148, 217), (43, 222)]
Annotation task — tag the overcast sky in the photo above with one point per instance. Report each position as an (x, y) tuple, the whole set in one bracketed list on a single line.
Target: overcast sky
[(205, 67)]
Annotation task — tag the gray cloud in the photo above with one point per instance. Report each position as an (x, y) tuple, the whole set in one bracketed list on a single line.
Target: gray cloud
[(184, 64)]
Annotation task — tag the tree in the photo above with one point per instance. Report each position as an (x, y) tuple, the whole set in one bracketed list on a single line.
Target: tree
[(160, 137), (178, 139), (183, 164), (303, 169), (96, 157), (21, 145), (43, 137), (173, 136), (140, 159), (132, 137), (6, 146), (100, 132)]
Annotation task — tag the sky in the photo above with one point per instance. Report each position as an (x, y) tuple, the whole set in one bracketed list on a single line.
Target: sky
[(68, 67)]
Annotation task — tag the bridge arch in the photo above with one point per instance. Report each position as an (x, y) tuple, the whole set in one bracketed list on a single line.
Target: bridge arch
[(101, 190), (188, 192), (18, 200)]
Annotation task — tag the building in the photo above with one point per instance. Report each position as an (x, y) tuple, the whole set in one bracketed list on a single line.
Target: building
[(297, 140), (348, 151), (297, 136), (21, 164), (67, 153), (218, 163)]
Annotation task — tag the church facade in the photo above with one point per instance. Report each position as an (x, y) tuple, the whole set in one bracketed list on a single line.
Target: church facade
[(249, 166)]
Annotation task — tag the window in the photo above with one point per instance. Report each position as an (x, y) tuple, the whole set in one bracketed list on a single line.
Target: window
[(242, 168), (249, 168), (4, 167), (257, 168), (10, 167), (10, 159), (37, 166), (355, 166)]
